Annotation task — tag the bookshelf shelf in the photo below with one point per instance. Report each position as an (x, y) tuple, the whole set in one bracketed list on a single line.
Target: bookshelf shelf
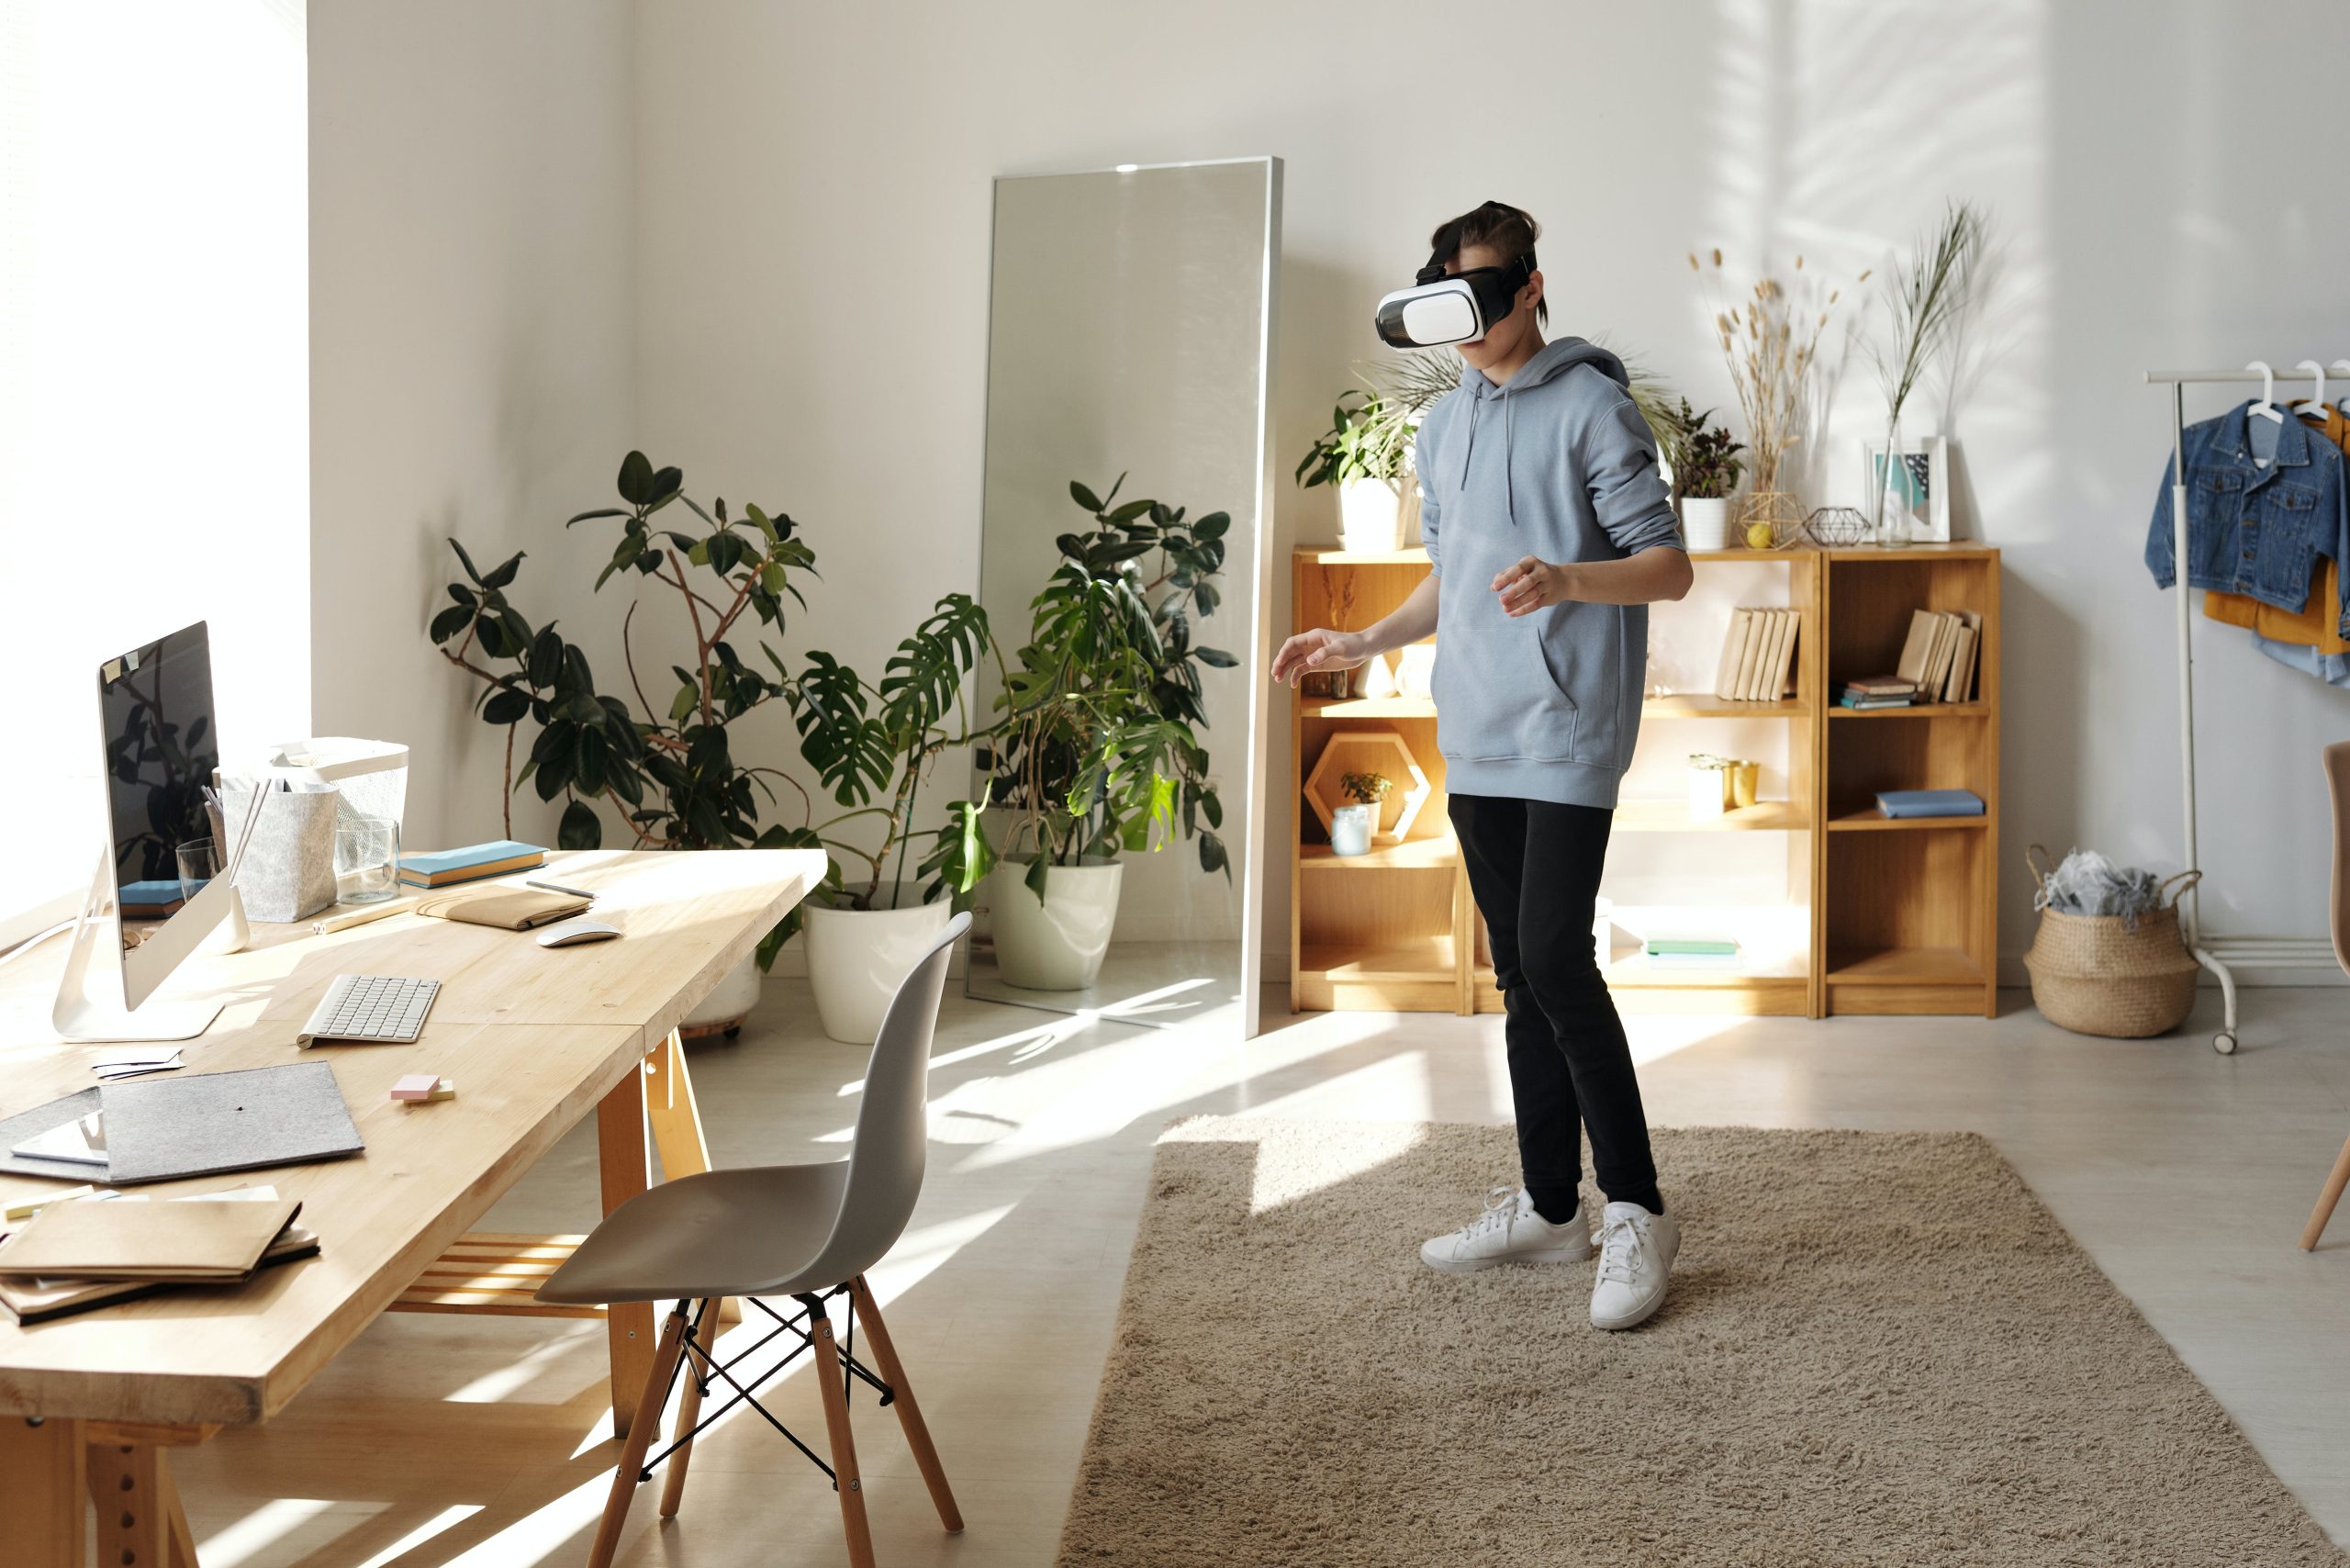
[(1412, 855), (1877, 821), (1922, 711), (1673, 816), (1884, 915), (1701, 705)]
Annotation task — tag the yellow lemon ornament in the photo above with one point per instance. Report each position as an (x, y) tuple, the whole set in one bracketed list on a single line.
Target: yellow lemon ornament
[(1758, 537)]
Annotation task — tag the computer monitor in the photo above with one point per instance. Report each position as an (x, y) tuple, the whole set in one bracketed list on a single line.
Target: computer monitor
[(143, 916)]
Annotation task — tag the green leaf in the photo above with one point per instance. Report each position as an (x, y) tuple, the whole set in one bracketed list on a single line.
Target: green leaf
[(636, 479), (506, 707), (581, 829), (464, 560), (547, 657), (1131, 510), (464, 595), (1213, 526), (666, 483), (600, 512), (1214, 658), (682, 706), (451, 622), (849, 751), (1034, 880), (1092, 503)]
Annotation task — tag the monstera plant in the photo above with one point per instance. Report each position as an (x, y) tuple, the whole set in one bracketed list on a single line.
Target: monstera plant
[(668, 770)]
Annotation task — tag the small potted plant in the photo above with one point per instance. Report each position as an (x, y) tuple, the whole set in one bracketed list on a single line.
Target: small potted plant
[(1705, 471), (1363, 454), (1352, 824)]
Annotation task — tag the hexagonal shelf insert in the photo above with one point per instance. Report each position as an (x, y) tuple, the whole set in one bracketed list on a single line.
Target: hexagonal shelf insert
[(1370, 751)]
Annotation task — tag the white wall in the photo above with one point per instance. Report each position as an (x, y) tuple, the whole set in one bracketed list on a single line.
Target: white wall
[(151, 406), (472, 330), (812, 283)]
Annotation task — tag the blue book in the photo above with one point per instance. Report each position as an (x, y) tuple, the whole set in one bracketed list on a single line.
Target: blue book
[(440, 868), (1929, 802), (150, 898)]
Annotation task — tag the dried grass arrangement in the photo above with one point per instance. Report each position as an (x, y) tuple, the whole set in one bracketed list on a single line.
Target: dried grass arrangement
[(1770, 341)]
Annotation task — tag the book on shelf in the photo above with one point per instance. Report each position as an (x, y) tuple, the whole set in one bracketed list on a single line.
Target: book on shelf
[(1882, 686), (1690, 948), (1939, 653), (441, 867), (1929, 802), (1758, 653), (1864, 704)]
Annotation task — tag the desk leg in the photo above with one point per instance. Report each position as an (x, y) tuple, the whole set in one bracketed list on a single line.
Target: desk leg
[(43, 1493), (619, 1150), (137, 1509), (669, 1105)]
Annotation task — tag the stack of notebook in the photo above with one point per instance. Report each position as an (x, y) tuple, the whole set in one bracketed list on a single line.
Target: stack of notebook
[(1699, 952), (80, 1253), (441, 868), (1872, 691), (1758, 654)]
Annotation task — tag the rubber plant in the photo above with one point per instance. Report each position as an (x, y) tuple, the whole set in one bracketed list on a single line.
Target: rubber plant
[(1095, 747), (669, 771)]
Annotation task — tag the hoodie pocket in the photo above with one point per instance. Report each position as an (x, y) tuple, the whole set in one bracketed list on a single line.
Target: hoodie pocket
[(1580, 647)]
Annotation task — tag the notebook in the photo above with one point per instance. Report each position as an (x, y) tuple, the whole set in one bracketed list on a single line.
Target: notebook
[(520, 909), (161, 1128), (38, 1300), (441, 868), (181, 1242), (1929, 802)]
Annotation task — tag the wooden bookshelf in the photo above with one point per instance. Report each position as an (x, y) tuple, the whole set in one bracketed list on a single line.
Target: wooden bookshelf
[(1902, 912)]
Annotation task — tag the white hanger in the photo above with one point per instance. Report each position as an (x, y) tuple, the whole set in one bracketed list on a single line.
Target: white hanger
[(2344, 366), (2315, 407), (2266, 407)]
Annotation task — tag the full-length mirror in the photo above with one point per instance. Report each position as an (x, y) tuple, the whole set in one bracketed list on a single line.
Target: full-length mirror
[(1123, 567)]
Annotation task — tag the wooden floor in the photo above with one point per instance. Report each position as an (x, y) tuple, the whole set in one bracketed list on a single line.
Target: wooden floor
[(440, 1442)]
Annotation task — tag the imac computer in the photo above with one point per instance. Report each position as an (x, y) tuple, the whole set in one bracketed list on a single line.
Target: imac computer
[(149, 905)]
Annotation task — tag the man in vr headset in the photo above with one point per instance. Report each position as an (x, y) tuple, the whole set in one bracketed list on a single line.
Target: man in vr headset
[(1549, 531)]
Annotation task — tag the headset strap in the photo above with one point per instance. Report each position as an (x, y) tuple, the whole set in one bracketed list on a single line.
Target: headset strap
[(1448, 245)]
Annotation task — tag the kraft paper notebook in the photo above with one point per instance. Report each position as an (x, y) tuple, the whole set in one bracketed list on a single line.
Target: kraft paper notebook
[(191, 1242), (517, 910), (38, 1300)]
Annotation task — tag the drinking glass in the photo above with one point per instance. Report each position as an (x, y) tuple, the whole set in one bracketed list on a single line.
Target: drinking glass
[(199, 861), (367, 859)]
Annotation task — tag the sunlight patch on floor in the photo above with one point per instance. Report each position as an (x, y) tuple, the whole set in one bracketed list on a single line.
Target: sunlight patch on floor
[(447, 1519), (254, 1534)]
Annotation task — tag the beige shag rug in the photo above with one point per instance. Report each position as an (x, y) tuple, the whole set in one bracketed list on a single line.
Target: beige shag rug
[(1880, 1348)]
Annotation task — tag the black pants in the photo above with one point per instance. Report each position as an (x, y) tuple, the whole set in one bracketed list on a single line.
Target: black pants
[(1535, 867)]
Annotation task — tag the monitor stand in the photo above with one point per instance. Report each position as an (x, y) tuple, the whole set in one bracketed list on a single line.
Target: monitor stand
[(81, 1017)]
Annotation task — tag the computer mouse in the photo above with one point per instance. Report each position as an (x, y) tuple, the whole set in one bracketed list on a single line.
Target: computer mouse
[(571, 933)]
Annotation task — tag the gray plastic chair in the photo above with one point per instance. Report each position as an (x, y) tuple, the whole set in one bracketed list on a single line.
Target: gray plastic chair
[(805, 1231)]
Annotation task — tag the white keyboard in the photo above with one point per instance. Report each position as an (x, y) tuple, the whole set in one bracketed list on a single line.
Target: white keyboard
[(371, 1009)]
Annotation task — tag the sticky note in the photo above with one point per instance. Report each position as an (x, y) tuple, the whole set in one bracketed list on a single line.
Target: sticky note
[(419, 1087)]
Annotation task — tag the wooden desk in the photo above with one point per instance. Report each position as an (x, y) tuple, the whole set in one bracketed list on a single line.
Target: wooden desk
[(535, 1038)]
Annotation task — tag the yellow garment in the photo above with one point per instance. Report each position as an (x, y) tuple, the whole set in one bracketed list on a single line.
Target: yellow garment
[(2317, 623)]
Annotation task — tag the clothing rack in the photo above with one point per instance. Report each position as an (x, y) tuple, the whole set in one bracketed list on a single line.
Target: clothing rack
[(2220, 955)]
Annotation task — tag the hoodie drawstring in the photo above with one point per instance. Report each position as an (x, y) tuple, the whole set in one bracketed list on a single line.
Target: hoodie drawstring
[(1468, 450)]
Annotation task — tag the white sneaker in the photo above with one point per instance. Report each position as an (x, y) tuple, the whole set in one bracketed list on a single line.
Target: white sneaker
[(1509, 1231), (1636, 1253)]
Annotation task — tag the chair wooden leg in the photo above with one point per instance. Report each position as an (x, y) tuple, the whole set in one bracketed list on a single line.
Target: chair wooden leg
[(893, 1373), (845, 1477), (641, 1432), (2332, 1195), (673, 1485)]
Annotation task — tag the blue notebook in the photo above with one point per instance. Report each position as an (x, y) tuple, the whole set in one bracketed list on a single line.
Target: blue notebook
[(1929, 802), (440, 868)]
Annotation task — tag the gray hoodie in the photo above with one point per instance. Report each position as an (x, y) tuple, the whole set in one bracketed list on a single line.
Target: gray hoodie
[(1544, 707)]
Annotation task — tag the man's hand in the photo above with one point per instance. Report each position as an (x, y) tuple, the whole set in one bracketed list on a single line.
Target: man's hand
[(1530, 584), (1319, 649)]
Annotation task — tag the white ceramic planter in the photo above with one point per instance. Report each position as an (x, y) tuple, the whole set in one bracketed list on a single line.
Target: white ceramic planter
[(728, 1003), (1351, 829), (856, 959), (1370, 515), (1056, 945), (1704, 522)]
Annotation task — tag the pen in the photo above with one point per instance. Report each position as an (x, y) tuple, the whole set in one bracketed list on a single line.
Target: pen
[(559, 887)]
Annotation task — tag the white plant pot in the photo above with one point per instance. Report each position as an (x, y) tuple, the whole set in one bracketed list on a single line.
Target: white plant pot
[(858, 958), (1351, 829), (1056, 945), (729, 1002), (1704, 522), (1370, 515)]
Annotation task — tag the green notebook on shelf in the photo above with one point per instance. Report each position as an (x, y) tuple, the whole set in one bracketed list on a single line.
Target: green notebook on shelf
[(1690, 947)]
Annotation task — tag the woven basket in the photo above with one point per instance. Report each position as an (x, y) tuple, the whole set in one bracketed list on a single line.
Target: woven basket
[(2094, 974)]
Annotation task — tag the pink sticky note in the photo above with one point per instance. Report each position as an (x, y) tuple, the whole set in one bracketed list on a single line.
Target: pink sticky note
[(416, 1086)]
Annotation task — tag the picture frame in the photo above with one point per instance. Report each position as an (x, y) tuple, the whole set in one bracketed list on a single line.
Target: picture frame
[(1927, 458)]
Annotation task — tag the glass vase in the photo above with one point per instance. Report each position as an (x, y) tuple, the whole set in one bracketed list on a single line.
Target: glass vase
[(1891, 504)]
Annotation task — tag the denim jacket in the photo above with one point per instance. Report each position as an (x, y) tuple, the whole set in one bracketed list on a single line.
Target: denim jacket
[(2257, 530)]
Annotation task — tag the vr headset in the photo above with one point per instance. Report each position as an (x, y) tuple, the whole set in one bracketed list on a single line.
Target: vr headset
[(1461, 308)]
